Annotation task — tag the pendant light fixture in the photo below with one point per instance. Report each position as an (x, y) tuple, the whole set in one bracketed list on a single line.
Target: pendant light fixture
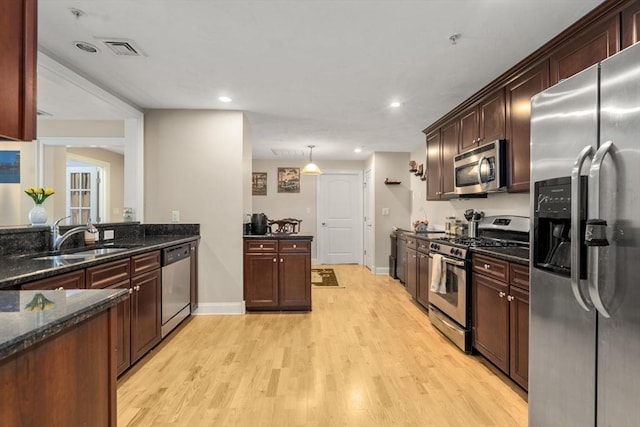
[(311, 168)]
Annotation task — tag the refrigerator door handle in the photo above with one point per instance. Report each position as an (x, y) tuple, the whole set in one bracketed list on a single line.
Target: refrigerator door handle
[(576, 241), (594, 251)]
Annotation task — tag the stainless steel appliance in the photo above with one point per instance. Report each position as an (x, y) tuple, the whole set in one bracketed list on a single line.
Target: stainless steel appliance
[(259, 223), (176, 286), (450, 302), (481, 169), (585, 298)]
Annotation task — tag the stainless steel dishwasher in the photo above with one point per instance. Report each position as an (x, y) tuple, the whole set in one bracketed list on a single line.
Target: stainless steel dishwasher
[(176, 286)]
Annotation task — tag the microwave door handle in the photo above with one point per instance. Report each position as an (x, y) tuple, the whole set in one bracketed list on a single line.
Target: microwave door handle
[(594, 251), (479, 171), (576, 241)]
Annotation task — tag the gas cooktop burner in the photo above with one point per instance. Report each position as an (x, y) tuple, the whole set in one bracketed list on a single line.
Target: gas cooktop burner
[(478, 242)]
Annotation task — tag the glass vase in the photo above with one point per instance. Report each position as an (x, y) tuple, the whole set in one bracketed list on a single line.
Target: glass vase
[(38, 215)]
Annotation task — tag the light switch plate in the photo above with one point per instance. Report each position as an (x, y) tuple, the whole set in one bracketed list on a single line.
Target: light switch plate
[(108, 234), (175, 216), (385, 211)]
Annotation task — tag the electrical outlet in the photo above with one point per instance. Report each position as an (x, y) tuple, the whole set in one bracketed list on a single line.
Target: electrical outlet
[(175, 216), (108, 234), (385, 211), (308, 210)]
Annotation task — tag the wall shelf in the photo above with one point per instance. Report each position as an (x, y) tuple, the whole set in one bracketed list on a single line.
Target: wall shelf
[(388, 181)]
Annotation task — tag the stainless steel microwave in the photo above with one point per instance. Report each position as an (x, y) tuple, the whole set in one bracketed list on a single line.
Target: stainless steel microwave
[(482, 169)]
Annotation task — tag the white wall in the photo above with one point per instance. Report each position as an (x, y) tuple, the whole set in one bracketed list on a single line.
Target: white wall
[(395, 198), (295, 205), (193, 162), (436, 211)]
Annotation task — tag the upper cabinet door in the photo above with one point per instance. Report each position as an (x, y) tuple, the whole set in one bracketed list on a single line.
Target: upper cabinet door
[(18, 32), (492, 117), (519, 93), (597, 42), (434, 165), (631, 24), (450, 134), (469, 129)]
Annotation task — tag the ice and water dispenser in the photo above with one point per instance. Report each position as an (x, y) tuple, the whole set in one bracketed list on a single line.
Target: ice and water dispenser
[(552, 225)]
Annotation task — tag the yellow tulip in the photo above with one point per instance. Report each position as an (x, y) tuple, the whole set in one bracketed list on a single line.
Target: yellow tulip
[(48, 191)]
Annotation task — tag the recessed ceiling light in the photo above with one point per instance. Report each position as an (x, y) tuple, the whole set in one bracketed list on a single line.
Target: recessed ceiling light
[(86, 47), (395, 104), (224, 99), (357, 150)]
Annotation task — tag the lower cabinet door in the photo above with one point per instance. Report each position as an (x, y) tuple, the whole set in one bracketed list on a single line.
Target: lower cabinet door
[(260, 280), (145, 313), (519, 313), (491, 320), (295, 280), (423, 280), (412, 272), (123, 330)]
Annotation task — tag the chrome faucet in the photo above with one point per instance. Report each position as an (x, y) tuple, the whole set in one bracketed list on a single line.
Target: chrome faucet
[(57, 240)]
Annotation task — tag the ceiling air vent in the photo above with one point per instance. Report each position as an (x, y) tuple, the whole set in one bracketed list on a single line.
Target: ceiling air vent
[(123, 47), (288, 153)]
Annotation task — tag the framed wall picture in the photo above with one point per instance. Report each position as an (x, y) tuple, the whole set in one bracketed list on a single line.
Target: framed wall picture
[(9, 167), (259, 184), (288, 180)]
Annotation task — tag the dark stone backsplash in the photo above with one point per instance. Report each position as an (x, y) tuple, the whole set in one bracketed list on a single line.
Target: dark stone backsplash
[(25, 240)]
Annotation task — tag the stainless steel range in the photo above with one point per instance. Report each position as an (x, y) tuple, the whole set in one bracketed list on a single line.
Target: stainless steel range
[(450, 269)]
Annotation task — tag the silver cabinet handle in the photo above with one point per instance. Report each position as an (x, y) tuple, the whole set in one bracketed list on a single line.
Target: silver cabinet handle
[(576, 241), (137, 288), (281, 260), (502, 294), (594, 211), (275, 260), (487, 266), (61, 288), (295, 246), (510, 298), (261, 246), (130, 291)]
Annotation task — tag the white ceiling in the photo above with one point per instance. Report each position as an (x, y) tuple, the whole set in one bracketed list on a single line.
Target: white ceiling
[(305, 71)]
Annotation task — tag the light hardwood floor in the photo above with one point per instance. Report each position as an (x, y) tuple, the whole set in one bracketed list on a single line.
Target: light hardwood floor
[(365, 356)]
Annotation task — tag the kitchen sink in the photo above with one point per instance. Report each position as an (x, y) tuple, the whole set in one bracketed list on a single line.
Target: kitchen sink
[(83, 254)]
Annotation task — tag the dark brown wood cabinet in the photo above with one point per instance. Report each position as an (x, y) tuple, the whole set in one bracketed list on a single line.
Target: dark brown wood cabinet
[(18, 32), (412, 267), (72, 280), (630, 24), (484, 122), (145, 313), (277, 274), (518, 104), (442, 146), (422, 293), (68, 379), (123, 329), (595, 43), (401, 263), (501, 315)]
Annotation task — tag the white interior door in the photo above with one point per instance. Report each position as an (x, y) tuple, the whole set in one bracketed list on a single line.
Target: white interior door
[(340, 217), (368, 220)]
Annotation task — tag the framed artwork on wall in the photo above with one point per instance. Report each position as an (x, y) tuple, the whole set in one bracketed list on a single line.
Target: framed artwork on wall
[(259, 184), (9, 167), (288, 180)]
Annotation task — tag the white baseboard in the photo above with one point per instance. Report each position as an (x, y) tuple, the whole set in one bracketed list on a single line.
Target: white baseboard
[(219, 308), (381, 271)]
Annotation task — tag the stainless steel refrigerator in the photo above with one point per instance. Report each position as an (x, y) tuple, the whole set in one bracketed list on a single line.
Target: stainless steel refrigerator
[(584, 358)]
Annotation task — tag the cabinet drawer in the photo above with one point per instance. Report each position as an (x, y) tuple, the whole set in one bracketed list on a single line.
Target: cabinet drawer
[(73, 280), (260, 245), (411, 243), (145, 262), (294, 246), (423, 245), (490, 267), (519, 275), (108, 274)]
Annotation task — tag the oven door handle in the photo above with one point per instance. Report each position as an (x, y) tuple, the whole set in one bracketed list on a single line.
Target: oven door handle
[(453, 262)]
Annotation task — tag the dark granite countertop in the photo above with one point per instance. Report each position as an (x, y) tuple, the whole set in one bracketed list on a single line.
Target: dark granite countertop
[(20, 328), (518, 255), (279, 236), (18, 269)]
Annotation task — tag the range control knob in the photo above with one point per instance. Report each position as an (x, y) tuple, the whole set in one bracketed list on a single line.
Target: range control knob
[(453, 251)]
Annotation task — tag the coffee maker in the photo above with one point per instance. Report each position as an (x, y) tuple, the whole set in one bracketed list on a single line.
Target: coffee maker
[(259, 224), (552, 225)]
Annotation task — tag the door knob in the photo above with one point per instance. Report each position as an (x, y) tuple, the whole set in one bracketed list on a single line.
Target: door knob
[(324, 224)]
